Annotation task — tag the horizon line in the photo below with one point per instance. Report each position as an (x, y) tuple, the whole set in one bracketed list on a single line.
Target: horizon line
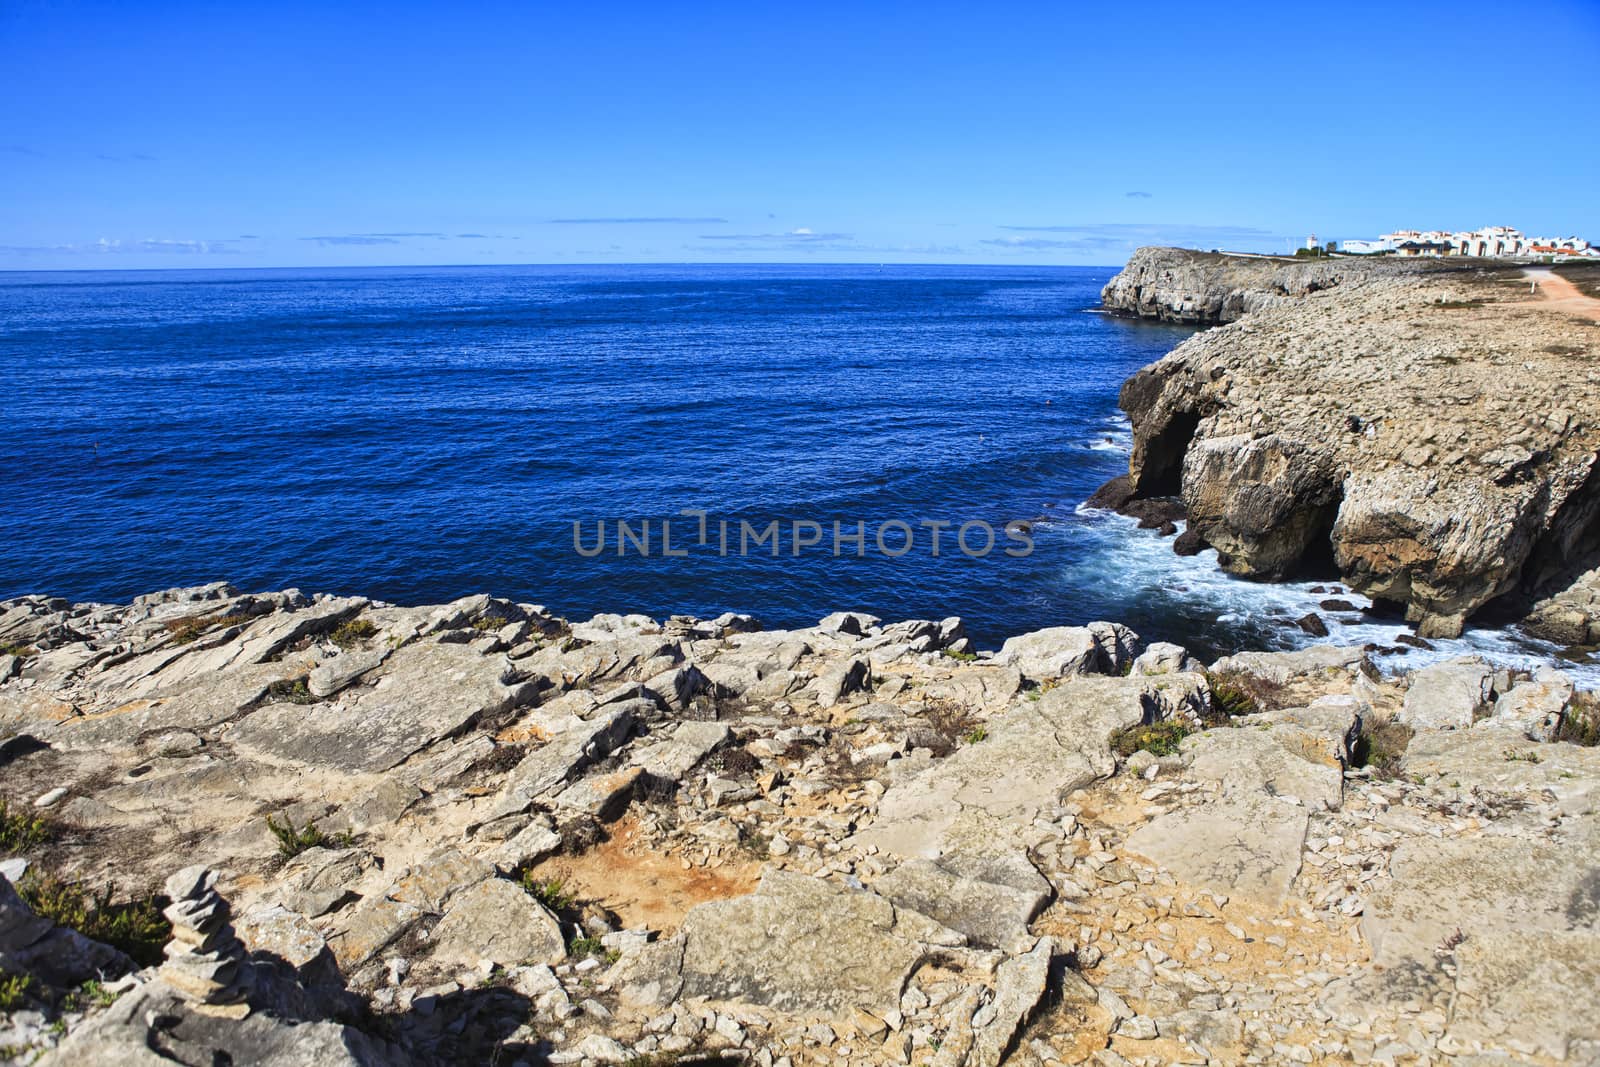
[(480, 266)]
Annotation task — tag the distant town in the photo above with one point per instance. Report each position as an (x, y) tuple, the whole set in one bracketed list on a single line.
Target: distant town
[(1491, 242)]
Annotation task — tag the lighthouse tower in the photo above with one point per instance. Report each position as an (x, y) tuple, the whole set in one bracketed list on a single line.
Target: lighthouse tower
[(1311, 242)]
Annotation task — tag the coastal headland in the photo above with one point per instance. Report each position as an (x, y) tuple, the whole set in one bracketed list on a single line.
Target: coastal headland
[(1424, 428)]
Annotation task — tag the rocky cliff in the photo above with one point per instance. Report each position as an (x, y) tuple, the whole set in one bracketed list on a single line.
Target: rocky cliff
[(1207, 288), (333, 831), (1430, 431)]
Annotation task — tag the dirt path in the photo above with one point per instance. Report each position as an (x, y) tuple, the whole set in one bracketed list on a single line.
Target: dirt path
[(1561, 294)]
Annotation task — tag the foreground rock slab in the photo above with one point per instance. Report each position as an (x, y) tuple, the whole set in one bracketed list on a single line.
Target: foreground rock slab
[(497, 837)]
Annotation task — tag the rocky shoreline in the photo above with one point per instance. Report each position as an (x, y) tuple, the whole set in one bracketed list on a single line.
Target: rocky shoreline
[(1424, 429), (341, 831)]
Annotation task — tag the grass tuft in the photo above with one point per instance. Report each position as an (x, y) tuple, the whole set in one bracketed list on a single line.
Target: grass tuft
[(20, 831), (292, 842)]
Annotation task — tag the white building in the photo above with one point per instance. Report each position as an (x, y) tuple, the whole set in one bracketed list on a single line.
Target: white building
[(1491, 242)]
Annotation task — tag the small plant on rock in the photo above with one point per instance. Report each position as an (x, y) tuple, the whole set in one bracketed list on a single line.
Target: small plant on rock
[(136, 927), (292, 841), (348, 635), (964, 657), (549, 892), (13, 990), (1231, 695), (20, 831), (1158, 739), (591, 946), (19, 651), (1381, 746), (974, 735), (1581, 723), (952, 721), (291, 691), (93, 992)]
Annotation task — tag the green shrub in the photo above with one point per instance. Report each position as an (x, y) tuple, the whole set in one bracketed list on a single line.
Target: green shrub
[(591, 946), (549, 892), (964, 657), (292, 842), (19, 651), (974, 735), (1158, 739), (291, 691), (137, 927), (13, 990), (352, 633), (1581, 724), (1381, 746), (20, 831), (1231, 695)]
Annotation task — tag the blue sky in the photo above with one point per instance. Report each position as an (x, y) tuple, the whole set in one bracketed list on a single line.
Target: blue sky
[(158, 134)]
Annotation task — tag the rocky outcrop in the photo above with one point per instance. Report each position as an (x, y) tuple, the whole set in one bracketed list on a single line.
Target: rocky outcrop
[(1398, 425), (1208, 288), (858, 842)]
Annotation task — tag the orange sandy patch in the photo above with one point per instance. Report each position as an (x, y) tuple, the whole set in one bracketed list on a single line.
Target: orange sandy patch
[(120, 709), (646, 888)]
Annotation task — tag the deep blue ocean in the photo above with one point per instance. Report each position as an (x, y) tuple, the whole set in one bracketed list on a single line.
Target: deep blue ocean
[(419, 434)]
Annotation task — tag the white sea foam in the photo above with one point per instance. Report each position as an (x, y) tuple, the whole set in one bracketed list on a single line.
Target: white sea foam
[(1144, 568), (1138, 568)]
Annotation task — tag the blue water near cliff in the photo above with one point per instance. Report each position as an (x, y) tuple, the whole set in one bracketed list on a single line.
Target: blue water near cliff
[(420, 434)]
